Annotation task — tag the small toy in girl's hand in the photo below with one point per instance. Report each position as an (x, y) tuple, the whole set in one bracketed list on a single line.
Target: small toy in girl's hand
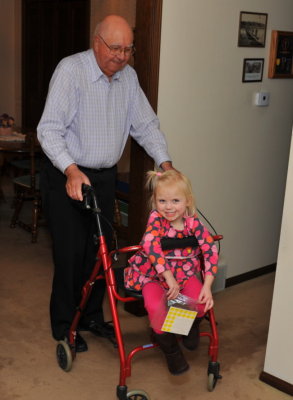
[(183, 301), (181, 315)]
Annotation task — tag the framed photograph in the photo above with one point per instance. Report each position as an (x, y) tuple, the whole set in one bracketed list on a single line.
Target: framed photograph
[(252, 69), (281, 55), (252, 29)]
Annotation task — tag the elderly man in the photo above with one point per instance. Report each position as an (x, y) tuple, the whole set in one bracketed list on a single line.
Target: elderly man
[(94, 103)]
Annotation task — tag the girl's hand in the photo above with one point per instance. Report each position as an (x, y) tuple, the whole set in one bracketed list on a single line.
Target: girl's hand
[(173, 285), (206, 297)]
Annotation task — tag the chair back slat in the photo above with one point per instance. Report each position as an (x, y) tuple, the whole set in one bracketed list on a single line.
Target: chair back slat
[(27, 188)]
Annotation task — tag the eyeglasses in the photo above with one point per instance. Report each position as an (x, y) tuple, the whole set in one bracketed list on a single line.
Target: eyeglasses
[(117, 50)]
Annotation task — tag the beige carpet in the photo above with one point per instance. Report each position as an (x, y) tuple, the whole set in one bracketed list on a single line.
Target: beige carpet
[(29, 370)]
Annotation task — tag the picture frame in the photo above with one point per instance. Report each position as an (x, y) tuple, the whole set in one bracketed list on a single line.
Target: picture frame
[(281, 55), (252, 29), (252, 69)]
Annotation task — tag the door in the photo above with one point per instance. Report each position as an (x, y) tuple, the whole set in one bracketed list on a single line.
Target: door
[(51, 30), (147, 60)]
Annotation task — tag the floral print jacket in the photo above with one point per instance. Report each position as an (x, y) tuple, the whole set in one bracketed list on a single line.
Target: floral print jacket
[(147, 264)]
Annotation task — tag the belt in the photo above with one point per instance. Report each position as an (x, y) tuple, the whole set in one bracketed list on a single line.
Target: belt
[(95, 170)]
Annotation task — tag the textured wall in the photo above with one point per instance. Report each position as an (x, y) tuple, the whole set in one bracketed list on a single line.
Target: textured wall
[(235, 153)]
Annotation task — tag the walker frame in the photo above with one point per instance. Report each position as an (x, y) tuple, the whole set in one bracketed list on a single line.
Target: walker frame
[(103, 269)]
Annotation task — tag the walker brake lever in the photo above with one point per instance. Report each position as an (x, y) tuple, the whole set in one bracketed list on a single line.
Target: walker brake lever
[(86, 189), (89, 199)]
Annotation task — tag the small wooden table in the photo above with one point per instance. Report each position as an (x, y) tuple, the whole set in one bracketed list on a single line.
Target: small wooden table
[(10, 147), (13, 147)]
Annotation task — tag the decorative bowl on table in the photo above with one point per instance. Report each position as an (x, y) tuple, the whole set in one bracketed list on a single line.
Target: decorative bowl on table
[(6, 125)]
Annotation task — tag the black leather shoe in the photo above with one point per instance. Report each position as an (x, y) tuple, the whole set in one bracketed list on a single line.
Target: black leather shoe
[(80, 344), (105, 329)]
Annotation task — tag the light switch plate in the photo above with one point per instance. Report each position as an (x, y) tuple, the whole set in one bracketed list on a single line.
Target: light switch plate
[(262, 99)]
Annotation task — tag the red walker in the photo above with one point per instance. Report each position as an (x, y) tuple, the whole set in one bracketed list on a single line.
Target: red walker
[(66, 350)]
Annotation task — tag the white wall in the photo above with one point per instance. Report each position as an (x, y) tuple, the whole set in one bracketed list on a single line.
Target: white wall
[(235, 154), (279, 353)]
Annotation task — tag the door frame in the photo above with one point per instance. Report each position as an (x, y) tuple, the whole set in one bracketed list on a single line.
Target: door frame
[(147, 62)]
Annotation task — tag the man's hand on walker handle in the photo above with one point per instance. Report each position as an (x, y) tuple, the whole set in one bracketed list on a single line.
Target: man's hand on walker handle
[(75, 179)]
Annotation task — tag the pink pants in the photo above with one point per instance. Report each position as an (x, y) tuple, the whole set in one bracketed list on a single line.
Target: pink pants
[(155, 301)]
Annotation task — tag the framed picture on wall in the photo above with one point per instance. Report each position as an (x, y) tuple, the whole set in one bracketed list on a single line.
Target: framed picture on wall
[(252, 29), (252, 69), (281, 55)]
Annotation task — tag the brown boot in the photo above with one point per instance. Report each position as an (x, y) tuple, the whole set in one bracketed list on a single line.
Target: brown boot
[(191, 341), (174, 356)]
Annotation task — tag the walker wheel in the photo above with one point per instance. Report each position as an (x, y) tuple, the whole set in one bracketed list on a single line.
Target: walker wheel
[(64, 355), (212, 380), (137, 395), (213, 374)]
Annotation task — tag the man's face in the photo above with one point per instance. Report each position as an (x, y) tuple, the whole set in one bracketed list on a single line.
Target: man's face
[(108, 62)]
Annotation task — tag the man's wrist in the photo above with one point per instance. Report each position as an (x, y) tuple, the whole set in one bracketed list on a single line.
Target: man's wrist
[(71, 168), (166, 165)]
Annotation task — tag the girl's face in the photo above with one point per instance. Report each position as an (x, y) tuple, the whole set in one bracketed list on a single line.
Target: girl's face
[(171, 202)]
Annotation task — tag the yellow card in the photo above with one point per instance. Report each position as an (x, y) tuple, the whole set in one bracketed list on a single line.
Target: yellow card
[(179, 320)]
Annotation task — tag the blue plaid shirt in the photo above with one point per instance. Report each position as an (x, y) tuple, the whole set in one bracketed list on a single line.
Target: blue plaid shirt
[(87, 118)]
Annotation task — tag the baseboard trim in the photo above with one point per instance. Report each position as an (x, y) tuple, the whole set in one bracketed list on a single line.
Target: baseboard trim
[(277, 383), (250, 275)]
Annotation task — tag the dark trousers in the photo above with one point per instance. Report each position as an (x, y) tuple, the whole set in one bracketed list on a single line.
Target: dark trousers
[(74, 250)]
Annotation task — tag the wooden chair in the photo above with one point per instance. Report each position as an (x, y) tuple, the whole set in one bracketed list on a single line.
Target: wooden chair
[(21, 166), (27, 188)]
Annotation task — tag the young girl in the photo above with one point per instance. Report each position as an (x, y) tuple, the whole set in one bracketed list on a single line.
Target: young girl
[(153, 270)]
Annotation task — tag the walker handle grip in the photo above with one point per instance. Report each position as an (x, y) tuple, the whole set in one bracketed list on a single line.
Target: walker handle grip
[(86, 193)]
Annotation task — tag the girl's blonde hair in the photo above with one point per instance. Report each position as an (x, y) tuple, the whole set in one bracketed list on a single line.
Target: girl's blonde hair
[(170, 177)]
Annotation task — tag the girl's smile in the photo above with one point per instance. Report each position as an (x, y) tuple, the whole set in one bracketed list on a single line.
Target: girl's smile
[(171, 203)]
